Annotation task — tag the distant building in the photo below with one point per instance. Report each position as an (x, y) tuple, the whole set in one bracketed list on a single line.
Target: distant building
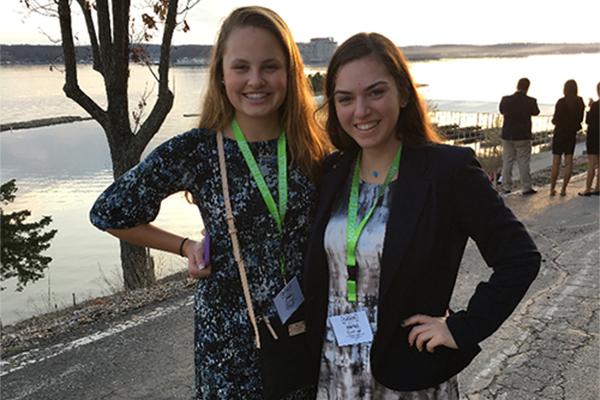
[(318, 50)]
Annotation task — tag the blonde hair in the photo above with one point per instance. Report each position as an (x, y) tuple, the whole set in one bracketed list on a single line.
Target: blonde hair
[(307, 142)]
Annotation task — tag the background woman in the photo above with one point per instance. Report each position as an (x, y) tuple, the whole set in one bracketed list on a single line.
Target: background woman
[(258, 90), (568, 114), (395, 212), (592, 147)]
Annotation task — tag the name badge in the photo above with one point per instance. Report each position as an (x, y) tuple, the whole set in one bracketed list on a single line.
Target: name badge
[(353, 328), (288, 300)]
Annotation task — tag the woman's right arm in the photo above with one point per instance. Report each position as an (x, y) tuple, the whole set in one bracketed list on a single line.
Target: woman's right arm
[(504, 244), (128, 206), (148, 235), (556, 116)]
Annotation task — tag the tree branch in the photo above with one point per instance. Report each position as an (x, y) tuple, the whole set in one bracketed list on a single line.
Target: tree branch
[(188, 6), (89, 22), (165, 47), (141, 106), (120, 13), (118, 79), (53, 40), (71, 87), (104, 36), (164, 102), (45, 8)]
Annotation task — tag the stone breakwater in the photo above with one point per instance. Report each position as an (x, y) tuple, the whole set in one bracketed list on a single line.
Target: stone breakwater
[(38, 123)]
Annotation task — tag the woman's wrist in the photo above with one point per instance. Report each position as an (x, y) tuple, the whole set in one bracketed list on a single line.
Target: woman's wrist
[(181, 246)]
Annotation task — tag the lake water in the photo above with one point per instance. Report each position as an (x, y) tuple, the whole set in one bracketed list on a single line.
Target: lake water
[(60, 170)]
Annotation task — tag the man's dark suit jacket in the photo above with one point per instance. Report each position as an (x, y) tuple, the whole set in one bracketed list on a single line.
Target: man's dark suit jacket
[(517, 110), (440, 199)]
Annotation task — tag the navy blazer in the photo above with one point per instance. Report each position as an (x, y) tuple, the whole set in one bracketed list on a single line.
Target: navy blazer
[(440, 199), (517, 110)]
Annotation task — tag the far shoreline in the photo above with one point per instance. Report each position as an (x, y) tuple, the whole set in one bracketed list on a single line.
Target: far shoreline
[(25, 54)]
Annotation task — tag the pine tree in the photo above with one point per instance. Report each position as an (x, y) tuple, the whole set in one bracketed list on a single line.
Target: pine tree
[(22, 242)]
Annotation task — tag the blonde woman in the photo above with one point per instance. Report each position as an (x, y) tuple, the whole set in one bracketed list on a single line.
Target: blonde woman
[(259, 98)]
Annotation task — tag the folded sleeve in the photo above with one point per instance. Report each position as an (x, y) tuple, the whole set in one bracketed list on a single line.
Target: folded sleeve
[(135, 197)]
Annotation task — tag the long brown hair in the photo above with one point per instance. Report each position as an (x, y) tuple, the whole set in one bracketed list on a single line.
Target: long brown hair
[(307, 143), (572, 100), (570, 88), (413, 126)]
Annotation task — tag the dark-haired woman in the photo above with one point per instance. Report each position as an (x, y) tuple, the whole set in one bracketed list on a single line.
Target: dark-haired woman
[(395, 211), (568, 115), (592, 147)]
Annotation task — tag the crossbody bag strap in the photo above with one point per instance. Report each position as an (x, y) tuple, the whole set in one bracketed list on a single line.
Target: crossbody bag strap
[(234, 239)]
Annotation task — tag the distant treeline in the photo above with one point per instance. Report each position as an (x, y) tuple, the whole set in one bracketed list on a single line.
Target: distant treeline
[(200, 54), (31, 54), (496, 50)]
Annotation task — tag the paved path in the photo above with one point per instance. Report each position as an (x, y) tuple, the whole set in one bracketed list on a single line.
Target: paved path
[(548, 350)]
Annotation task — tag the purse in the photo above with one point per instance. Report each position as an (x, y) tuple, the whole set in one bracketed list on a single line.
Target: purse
[(284, 361)]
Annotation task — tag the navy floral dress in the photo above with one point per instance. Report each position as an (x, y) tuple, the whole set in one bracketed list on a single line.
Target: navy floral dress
[(227, 363)]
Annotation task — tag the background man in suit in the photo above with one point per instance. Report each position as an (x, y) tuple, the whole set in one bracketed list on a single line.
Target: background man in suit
[(516, 136)]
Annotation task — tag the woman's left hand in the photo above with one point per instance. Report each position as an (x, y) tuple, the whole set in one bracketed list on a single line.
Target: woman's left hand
[(429, 332)]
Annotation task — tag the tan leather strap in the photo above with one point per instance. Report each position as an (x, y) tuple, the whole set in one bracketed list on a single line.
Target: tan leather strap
[(234, 240)]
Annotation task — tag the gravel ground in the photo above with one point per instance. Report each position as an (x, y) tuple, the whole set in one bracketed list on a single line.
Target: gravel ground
[(89, 316)]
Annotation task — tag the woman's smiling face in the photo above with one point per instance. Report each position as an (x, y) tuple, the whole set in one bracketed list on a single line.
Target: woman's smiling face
[(254, 73), (367, 102)]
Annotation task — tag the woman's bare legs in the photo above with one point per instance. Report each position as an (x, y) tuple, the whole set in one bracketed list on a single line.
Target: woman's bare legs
[(591, 173), (568, 171), (554, 173)]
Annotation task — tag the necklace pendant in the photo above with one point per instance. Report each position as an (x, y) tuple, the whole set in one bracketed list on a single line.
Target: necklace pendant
[(375, 174)]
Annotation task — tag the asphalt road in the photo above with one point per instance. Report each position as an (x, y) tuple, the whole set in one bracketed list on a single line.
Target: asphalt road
[(549, 349)]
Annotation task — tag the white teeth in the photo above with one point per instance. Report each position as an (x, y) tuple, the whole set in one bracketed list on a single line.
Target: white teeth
[(255, 96), (366, 127)]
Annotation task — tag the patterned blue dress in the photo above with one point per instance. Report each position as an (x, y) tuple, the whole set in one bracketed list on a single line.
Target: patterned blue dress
[(227, 363)]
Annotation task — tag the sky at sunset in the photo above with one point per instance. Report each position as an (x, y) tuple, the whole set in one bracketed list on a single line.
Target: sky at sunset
[(419, 22)]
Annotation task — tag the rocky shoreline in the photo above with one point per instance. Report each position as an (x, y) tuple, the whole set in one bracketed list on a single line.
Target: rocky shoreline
[(100, 312)]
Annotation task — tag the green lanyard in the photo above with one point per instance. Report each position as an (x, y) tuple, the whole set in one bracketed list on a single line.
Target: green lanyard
[(353, 230), (277, 213)]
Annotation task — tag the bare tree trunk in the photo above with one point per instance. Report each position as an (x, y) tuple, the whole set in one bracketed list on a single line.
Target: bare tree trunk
[(137, 265), (110, 47)]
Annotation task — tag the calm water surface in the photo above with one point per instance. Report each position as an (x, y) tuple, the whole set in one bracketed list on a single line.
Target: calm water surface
[(60, 170)]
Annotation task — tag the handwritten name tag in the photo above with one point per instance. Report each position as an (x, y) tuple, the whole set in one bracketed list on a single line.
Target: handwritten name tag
[(288, 300), (351, 328)]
